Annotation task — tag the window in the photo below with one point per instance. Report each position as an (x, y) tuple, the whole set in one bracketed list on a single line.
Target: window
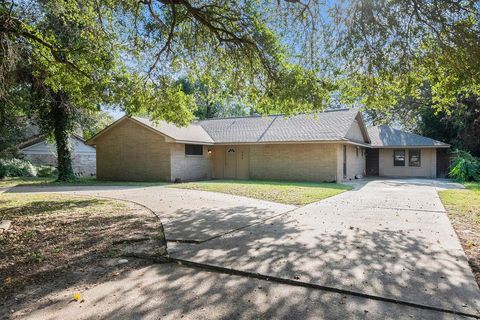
[(193, 149), (357, 151), (414, 158), (399, 158)]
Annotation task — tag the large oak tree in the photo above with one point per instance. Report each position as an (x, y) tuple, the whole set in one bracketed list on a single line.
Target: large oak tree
[(68, 57), (276, 55)]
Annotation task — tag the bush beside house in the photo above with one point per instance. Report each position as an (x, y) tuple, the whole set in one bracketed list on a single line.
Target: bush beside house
[(22, 168), (465, 167)]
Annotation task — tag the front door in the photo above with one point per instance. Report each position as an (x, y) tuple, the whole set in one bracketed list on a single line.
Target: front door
[(230, 163), (344, 161)]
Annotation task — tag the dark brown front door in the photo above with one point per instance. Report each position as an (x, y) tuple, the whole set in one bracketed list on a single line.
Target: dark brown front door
[(371, 162), (443, 162)]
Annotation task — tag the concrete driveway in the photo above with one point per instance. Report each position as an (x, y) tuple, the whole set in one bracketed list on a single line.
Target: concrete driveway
[(388, 237), (187, 215)]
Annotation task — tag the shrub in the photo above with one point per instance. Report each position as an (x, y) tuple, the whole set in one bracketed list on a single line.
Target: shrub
[(46, 171), (465, 167), (19, 168)]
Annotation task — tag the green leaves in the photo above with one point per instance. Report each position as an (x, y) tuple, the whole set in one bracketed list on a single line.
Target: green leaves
[(465, 167), (392, 48), (295, 90)]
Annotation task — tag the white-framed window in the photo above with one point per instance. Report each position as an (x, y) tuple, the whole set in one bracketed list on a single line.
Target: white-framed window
[(414, 157), (399, 158)]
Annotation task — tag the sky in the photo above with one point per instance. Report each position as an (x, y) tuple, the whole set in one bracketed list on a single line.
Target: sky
[(115, 113)]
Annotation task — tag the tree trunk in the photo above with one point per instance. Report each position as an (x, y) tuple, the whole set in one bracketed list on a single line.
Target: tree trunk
[(61, 120)]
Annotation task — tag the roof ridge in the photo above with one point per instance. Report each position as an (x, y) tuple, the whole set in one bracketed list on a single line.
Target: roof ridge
[(276, 115)]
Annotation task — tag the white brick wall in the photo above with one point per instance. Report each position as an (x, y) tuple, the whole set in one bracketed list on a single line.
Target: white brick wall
[(189, 167), (355, 161)]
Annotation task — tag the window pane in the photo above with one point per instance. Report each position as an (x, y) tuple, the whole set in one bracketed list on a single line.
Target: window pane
[(399, 158), (414, 158), (194, 149)]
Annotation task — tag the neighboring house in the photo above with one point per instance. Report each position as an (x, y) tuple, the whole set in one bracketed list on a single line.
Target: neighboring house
[(40, 152), (327, 146)]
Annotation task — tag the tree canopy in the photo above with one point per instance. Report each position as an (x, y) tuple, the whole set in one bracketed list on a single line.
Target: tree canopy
[(286, 56), (391, 49), (64, 58)]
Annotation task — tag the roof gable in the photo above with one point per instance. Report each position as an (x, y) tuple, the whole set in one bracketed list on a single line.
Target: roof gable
[(385, 136), (193, 133)]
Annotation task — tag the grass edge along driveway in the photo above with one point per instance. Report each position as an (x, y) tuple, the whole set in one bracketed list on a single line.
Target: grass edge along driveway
[(53, 235), (287, 192), (463, 208), (11, 182)]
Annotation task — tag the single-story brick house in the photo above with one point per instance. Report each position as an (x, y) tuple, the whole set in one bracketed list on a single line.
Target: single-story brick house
[(328, 146), (39, 151)]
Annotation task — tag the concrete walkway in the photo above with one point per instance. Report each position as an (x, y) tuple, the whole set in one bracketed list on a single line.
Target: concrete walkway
[(387, 237)]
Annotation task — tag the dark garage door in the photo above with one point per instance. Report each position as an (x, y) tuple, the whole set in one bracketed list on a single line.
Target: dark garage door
[(372, 162)]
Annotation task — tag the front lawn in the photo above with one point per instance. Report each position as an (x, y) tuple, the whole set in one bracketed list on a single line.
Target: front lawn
[(53, 238), (83, 181), (297, 193), (463, 207)]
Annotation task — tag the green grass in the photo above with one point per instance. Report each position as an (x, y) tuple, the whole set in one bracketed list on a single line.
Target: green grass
[(463, 208), (297, 193), (12, 182), (463, 202), (84, 181)]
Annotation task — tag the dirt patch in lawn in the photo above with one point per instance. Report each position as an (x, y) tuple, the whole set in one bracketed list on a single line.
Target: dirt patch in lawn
[(463, 207), (59, 240)]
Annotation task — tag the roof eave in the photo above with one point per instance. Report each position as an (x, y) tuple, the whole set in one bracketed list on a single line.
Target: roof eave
[(206, 143), (357, 143), (363, 127), (279, 142), (410, 146), (32, 141)]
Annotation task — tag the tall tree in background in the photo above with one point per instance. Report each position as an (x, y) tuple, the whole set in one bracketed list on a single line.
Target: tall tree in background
[(390, 49), (213, 104), (413, 63), (94, 122)]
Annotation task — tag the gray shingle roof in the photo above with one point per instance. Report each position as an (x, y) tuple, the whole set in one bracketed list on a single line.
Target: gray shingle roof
[(385, 136), (193, 133), (325, 126)]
